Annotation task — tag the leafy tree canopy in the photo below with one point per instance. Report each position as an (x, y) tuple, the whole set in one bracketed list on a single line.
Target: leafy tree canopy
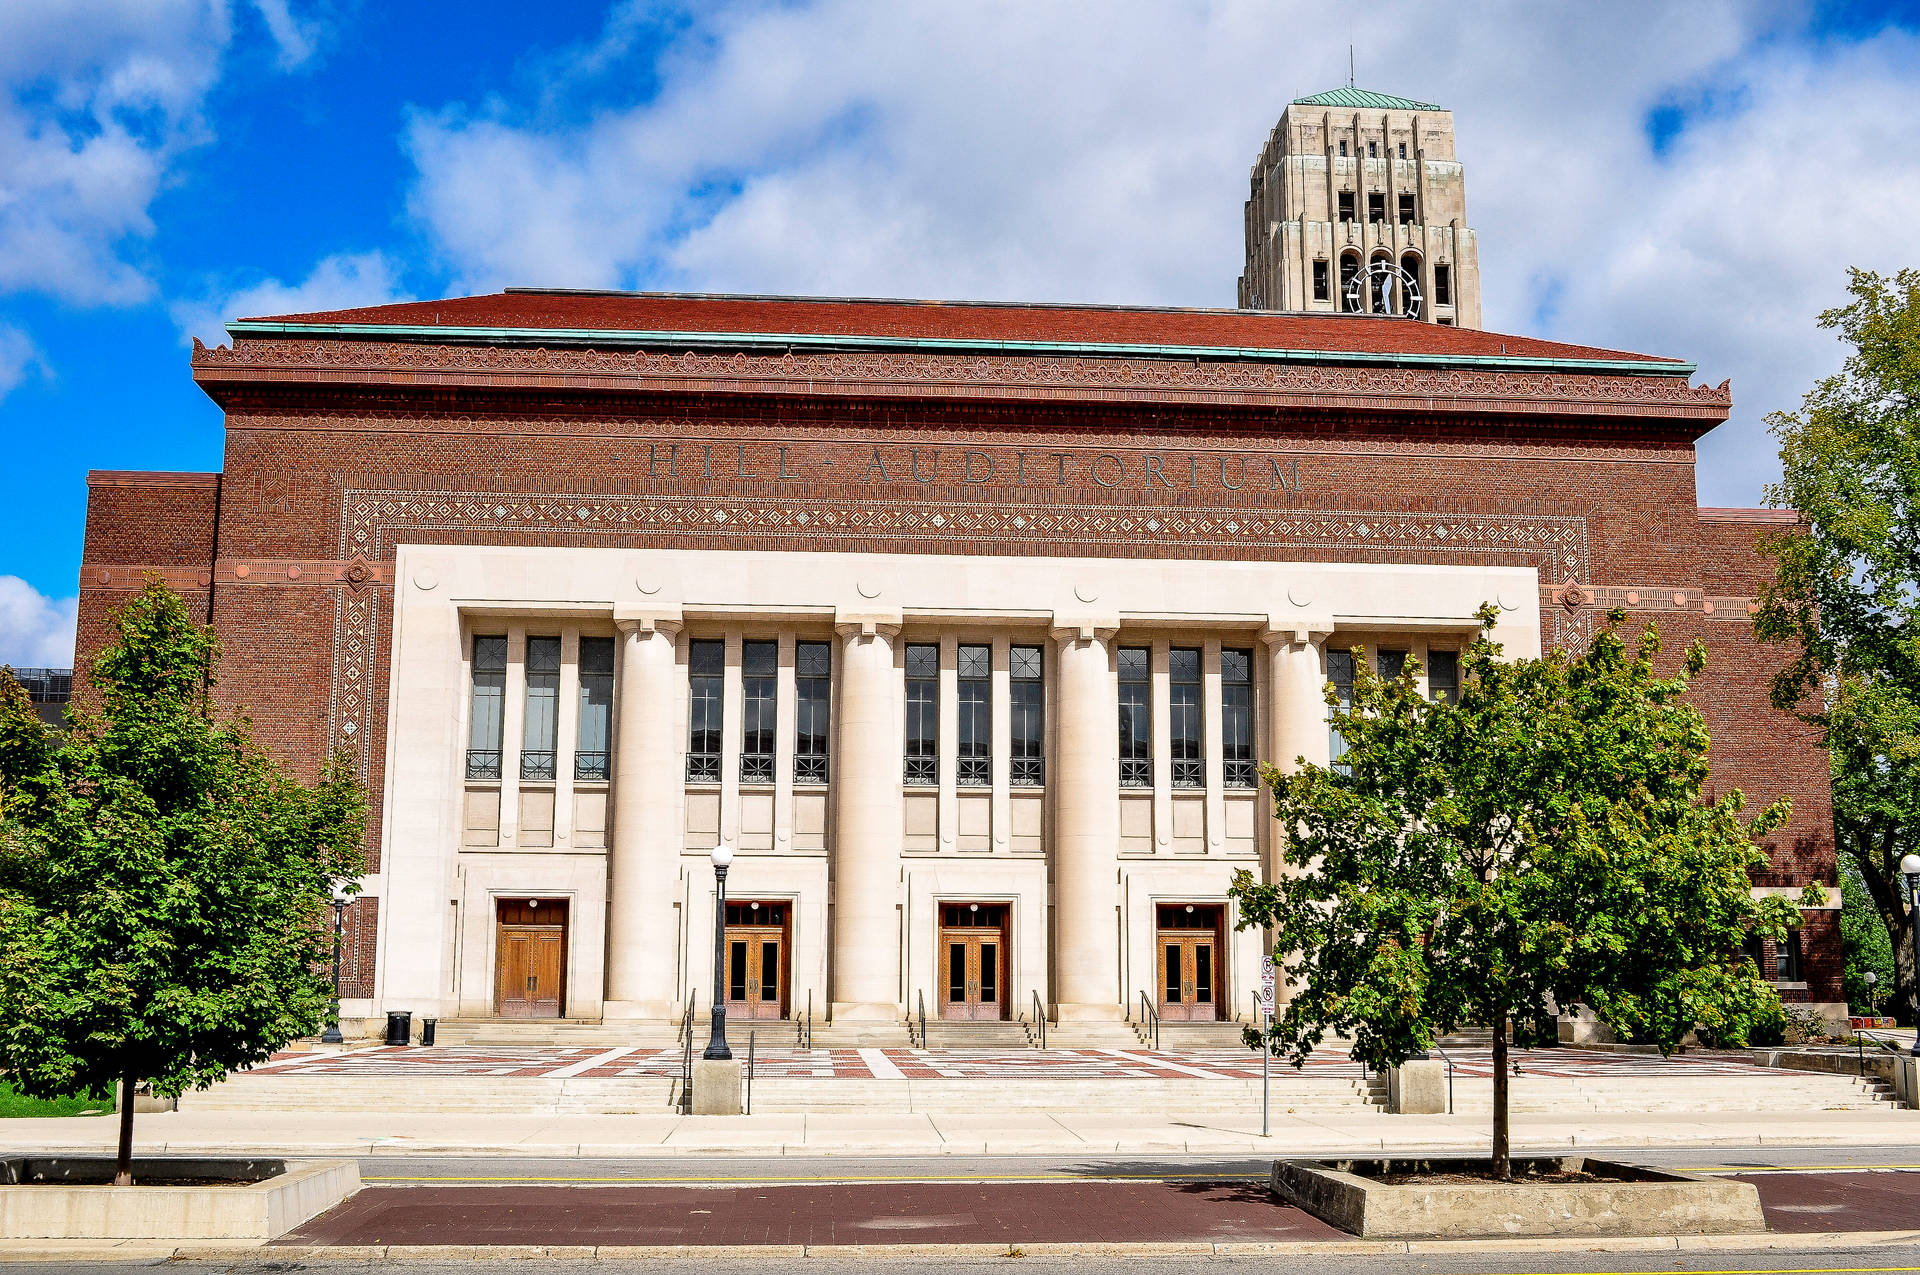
[(163, 883), (1847, 591), (1544, 841)]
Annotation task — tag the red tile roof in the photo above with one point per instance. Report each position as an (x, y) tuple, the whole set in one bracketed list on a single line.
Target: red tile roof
[(962, 321)]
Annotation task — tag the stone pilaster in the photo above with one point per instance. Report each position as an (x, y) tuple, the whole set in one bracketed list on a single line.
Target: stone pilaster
[(648, 791), (866, 833), (1085, 789)]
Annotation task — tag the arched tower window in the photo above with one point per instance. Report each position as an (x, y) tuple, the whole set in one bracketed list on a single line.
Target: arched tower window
[(1411, 264), (1349, 267), (1378, 285)]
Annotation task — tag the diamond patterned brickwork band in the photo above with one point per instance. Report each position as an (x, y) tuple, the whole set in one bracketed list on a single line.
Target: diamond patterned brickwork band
[(372, 522)]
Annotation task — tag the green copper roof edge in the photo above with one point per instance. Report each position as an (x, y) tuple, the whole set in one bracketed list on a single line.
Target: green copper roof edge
[(447, 334), (1366, 100)]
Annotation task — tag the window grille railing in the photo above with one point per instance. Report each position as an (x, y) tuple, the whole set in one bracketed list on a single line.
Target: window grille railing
[(1242, 774), (1028, 772), (975, 772), (1189, 773), (923, 772), (1136, 772), (537, 763), (756, 768), (703, 768), (483, 763), (591, 765), (809, 770)]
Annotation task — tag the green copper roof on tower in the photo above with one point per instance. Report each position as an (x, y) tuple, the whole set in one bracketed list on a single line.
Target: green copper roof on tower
[(1366, 100)]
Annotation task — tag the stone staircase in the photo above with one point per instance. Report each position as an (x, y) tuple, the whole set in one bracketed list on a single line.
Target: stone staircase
[(986, 1035), (435, 1095), (643, 1033), (1195, 1098)]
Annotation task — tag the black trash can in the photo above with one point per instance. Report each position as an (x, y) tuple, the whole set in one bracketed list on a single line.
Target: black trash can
[(426, 1030), (399, 1026)]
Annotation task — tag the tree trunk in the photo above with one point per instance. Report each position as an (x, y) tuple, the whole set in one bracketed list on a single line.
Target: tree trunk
[(123, 1162), (1502, 1163)]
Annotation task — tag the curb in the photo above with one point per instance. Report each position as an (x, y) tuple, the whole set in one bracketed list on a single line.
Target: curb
[(136, 1250)]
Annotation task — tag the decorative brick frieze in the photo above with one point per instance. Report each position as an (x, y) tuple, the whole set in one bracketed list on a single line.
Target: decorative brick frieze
[(366, 364)]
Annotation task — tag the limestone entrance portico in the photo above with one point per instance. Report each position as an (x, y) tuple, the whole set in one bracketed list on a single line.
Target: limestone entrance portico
[(881, 738)]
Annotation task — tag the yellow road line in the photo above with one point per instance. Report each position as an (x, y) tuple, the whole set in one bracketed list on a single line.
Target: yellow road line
[(853, 1181)]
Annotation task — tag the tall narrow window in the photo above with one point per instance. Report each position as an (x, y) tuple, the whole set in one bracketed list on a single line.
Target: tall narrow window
[(1443, 676), (1350, 299), (812, 684), (923, 715), (975, 687), (1183, 722), (489, 704), (1236, 719), (759, 672), (1136, 719), (1346, 205), (706, 691), (1376, 206), (1409, 299), (593, 746), (1343, 150), (1321, 287), (1389, 663), (542, 728), (1406, 210), (1403, 150), (1379, 285), (1027, 704), (1786, 958), (1373, 150), (1340, 674), (1442, 284)]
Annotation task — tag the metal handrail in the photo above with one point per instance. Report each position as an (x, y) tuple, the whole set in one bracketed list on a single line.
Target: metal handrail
[(750, 1042), (1449, 1061), (686, 1050), (1040, 1017), (808, 1037), (921, 998), (1148, 1014)]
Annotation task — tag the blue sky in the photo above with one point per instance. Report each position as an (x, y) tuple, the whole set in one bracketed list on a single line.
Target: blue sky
[(1691, 180)]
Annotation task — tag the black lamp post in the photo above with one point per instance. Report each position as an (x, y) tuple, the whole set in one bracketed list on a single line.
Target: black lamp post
[(343, 892), (717, 1046), (1910, 871)]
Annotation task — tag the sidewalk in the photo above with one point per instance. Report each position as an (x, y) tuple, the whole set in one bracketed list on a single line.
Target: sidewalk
[(1020, 1133)]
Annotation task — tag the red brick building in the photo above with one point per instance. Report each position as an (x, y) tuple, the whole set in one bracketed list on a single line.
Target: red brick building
[(962, 624)]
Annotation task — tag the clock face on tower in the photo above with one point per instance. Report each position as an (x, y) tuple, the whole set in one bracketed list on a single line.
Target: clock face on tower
[(1384, 288)]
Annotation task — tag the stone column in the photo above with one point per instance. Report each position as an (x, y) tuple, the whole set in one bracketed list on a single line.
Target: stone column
[(1085, 787), (648, 790), (865, 969), (1296, 726)]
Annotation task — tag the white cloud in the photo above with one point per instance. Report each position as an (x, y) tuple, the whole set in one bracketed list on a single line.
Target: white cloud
[(19, 358), (1056, 152), (338, 282), (35, 631), (98, 101)]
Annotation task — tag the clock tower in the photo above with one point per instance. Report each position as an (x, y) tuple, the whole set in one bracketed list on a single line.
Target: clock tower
[(1359, 205)]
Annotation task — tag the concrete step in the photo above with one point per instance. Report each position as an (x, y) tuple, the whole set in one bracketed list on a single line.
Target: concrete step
[(1102, 1096), (1651, 1094), (1202, 1035), (861, 1035), (1072, 1035), (464, 1095), (948, 1034), (643, 1033)]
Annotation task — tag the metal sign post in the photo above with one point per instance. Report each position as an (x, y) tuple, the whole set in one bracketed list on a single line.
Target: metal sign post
[(1265, 1002)]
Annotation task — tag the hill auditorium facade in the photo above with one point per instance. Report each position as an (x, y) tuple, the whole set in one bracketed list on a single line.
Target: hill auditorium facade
[(966, 625)]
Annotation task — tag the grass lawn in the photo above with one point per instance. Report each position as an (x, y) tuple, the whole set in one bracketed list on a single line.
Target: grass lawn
[(13, 1105)]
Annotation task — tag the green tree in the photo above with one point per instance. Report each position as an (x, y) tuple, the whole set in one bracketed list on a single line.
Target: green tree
[(163, 882), (1544, 841), (1847, 589)]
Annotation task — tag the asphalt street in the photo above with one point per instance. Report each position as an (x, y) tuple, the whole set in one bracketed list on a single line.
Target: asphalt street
[(496, 1201)]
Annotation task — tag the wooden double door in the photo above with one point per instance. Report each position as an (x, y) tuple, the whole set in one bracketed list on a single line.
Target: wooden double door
[(973, 960), (758, 959), (530, 958), (1189, 943)]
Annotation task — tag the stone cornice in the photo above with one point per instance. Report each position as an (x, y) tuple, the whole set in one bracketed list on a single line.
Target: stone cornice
[(336, 365)]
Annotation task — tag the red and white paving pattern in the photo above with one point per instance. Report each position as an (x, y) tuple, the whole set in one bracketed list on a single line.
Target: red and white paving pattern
[(558, 1062)]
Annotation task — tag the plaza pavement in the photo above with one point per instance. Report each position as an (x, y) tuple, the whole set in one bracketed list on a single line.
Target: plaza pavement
[(307, 1134)]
